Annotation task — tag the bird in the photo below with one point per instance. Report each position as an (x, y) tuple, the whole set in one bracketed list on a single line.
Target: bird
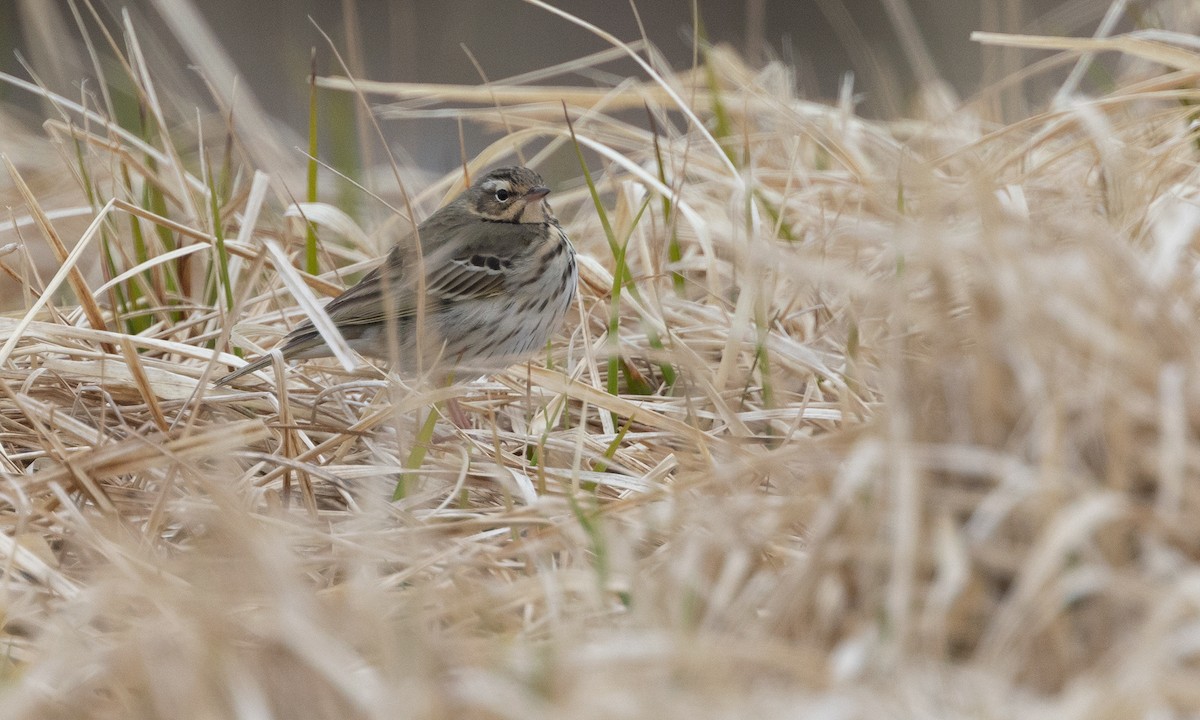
[(499, 277)]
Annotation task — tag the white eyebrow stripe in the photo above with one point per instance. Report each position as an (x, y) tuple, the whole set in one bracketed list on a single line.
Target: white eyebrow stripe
[(494, 185)]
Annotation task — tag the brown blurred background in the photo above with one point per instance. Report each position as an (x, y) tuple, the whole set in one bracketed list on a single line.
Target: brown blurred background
[(894, 49), (423, 40)]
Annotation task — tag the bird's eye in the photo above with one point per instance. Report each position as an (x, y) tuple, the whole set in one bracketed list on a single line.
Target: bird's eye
[(501, 195)]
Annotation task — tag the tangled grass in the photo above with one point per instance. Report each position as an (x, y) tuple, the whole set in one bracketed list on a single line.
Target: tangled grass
[(851, 418)]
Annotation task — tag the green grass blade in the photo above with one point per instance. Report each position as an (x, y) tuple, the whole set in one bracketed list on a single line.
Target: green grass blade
[(613, 446), (310, 241), (219, 234), (674, 249), (416, 456), (622, 277)]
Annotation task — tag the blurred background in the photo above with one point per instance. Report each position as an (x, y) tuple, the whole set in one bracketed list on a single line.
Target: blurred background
[(890, 46), (906, 58)]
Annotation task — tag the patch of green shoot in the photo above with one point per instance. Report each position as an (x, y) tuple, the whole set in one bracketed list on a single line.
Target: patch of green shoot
[(125, 306), (620, 269), (763, 360), (850, 374), (761, 323), (635, 381), (311, 265), (723, 127), (154, 201), (773, 212), (822, 160), (674, 250), (589, 523), (416, 456), (613, 446), (344, 150), (614, 323), (222, 276), (622, 276)]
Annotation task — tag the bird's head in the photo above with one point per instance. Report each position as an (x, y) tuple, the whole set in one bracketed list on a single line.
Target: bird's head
[(510, 194)]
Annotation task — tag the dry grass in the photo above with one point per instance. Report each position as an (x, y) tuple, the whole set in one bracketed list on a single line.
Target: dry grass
[(931, 446)]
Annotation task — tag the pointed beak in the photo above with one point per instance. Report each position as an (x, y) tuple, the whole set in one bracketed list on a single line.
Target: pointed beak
[(536, 194)]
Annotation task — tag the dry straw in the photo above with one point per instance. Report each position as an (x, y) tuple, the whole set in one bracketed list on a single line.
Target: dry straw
[(851, 419)]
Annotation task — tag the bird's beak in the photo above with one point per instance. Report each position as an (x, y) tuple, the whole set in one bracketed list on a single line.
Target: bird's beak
[(536, 194)]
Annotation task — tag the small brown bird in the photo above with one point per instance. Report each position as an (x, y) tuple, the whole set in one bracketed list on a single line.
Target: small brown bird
[(500, 275)]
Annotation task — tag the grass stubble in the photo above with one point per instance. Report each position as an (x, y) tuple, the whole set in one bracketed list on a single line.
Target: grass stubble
[(852, 418)]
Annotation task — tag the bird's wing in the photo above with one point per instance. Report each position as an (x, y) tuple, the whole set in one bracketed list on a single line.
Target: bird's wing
[(468, 277), (472, 270)]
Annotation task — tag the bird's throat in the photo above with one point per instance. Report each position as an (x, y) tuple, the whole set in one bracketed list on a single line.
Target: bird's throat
[(534, 213)]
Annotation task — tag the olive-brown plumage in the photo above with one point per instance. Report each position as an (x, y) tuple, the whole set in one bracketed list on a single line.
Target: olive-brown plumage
[(499, 276)]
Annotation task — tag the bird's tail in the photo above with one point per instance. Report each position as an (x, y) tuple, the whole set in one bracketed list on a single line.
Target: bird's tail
[(303, 342), (258, 364)]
